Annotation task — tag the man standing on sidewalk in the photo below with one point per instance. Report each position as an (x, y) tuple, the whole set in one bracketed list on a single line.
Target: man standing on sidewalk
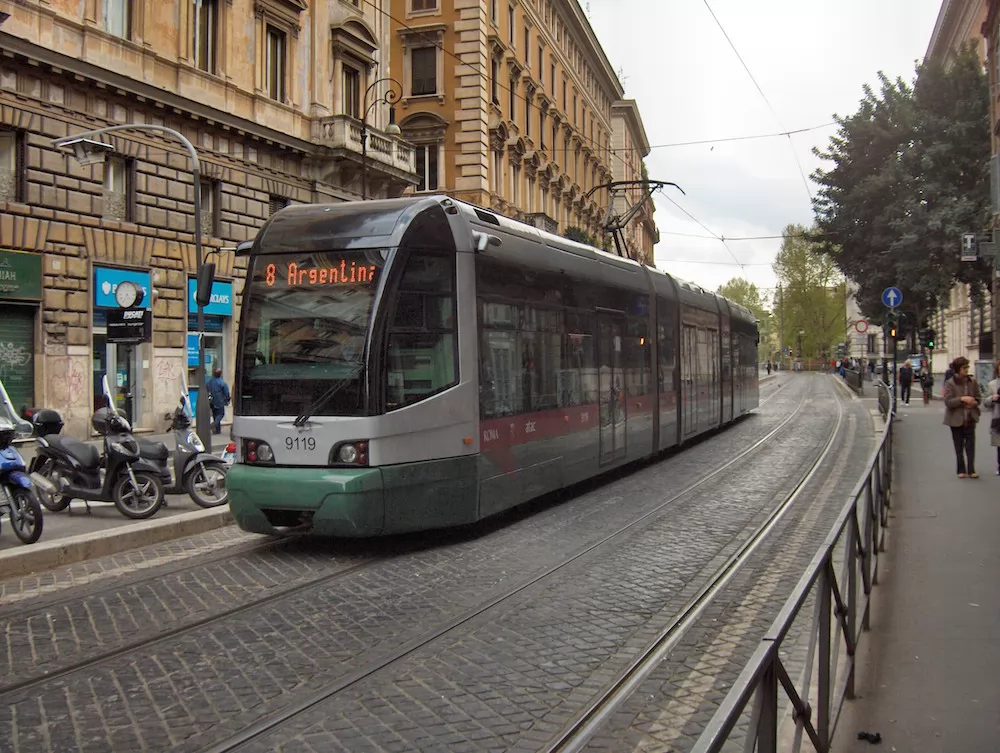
[(218, 394), (905, 381)]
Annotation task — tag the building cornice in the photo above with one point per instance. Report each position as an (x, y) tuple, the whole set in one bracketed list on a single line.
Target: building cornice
[(629, 110), (581, 28), (57, 61)]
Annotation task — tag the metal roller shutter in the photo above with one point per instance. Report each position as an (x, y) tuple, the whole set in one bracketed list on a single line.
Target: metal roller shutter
[(17, 335)]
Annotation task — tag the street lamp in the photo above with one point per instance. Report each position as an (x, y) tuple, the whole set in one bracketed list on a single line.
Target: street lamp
[(90, 152), (391, 97)]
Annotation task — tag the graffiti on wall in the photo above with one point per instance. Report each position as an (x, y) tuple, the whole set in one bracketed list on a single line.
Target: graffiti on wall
[(168, 373), (13, 356), (67, 381)]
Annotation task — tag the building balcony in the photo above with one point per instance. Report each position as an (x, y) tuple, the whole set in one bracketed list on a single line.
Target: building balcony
[(543, 222), (391, 162)]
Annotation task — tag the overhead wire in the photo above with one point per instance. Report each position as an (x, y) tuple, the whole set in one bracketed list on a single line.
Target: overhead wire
[(774, 112)]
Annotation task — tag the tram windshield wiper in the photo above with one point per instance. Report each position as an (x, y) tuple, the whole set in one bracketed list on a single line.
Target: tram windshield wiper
[(323, 399)]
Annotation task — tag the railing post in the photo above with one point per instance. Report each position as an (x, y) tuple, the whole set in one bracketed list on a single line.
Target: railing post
[(825, 670), (852, 585), (767, 732)]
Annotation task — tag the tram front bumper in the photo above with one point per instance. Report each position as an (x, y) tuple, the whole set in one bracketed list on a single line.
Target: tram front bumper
[(324, 501)]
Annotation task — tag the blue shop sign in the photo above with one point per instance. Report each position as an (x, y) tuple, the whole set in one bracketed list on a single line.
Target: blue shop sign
[(106, 282), (222, 298), (192, 348)]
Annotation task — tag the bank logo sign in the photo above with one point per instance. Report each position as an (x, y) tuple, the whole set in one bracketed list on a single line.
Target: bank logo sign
[(106, 280), (221, 303)]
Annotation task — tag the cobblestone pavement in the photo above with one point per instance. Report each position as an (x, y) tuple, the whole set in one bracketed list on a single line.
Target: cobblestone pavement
[(214, 682), (671, 708), (512, 680)]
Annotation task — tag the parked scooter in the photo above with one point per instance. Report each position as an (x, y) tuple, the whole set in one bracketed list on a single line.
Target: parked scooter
[(195, 472), (65, 469), (17, 493)]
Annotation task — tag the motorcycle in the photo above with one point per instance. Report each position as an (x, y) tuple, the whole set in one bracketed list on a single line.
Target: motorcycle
[(64, 468), (197, 473), (17, 492)]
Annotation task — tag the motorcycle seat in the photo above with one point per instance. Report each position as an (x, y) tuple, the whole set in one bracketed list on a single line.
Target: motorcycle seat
[(85, 454), (151, 450)]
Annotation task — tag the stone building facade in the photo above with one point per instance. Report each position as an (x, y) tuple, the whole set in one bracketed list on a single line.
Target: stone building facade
[(631, 147), (270, 92), (509, 104), (964, 326)]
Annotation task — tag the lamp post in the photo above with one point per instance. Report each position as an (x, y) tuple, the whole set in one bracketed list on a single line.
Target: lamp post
[(391, 97), (89, 152)]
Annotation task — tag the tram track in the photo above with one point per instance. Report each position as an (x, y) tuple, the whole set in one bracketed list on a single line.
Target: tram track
[(272, 722), (31, 684)]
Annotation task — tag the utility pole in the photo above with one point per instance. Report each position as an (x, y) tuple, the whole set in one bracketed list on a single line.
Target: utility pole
[(781, 324)]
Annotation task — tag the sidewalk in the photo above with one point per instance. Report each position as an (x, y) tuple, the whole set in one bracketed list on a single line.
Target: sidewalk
[(927, 671)]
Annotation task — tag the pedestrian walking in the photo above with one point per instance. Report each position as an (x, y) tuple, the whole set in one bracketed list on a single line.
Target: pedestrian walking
[(993, 399), (961, 413), (905, 381), (927, 384), (219, 398)]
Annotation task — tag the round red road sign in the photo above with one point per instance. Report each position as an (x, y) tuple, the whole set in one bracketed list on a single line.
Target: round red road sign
[(861, 326)]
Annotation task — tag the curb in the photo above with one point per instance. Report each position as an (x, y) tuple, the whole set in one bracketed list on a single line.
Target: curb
[(72, 549)]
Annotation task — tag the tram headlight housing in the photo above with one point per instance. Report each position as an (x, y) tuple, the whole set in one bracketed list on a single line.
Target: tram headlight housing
[(354, 452), (257, 452)]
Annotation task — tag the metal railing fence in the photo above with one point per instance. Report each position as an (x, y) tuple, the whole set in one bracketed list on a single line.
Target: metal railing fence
[(840, 615)]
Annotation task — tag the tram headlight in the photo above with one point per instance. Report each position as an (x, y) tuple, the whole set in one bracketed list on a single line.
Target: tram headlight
[(350, 453), (258, 452)]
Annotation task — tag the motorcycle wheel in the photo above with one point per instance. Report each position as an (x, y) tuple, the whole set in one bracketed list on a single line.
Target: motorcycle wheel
[(139, 500), (206, 484), (25, 516), (53, 502)]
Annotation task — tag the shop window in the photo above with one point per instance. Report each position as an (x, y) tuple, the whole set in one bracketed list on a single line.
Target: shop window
[(210, 194), (276, 51), (205, 28), (117, 18), (422, 345), (119, 188), (427, 166), (12, 165), (423, 67)]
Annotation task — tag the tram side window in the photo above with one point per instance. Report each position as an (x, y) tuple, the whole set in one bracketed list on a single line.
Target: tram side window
[(578, 375), (421, 342), (668, 346), (638, 353)]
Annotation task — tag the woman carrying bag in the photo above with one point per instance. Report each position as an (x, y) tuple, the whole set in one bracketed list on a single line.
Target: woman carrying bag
[(961, 413), (993, 399)]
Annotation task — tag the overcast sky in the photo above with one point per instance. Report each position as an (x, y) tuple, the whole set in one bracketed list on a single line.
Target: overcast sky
[(810, 58)]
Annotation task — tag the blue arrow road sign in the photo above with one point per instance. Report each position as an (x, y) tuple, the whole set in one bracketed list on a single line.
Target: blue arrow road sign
[(892, 297)]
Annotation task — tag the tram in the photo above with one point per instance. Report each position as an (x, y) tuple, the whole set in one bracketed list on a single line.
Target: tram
[(421, 363)]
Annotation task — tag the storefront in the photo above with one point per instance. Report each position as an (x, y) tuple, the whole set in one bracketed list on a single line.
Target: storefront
[(121, 362), (20, 294), (218, 315)]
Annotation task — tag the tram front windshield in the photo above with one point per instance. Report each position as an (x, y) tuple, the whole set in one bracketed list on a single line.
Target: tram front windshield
[(303, 332)]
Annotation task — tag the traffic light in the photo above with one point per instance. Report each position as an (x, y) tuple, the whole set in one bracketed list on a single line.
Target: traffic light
[(927, 338), (893, 330)]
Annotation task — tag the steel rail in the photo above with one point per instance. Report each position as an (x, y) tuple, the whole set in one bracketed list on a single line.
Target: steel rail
[(581, 729), (268, 723), (863, 538)]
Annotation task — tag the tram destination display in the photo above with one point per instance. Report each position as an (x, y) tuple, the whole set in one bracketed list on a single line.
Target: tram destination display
[(129, 325)]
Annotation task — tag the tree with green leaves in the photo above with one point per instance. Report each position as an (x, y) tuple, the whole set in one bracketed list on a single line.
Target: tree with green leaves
[(742, 291), (812, 302), (909, 176)]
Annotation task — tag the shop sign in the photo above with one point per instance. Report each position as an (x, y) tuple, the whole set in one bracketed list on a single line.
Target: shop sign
[(106, 281), (20, 275), (221, 303), (130, 325)]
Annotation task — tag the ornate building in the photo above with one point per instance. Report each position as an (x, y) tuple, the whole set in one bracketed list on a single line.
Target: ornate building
[(274, 96), (964, 326), (509, 104), (630, 148)]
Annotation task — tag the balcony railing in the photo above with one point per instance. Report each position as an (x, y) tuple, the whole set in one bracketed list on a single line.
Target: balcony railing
[(344, 132)]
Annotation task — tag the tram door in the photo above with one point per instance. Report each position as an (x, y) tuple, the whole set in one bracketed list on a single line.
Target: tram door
[(689, 380), (611, 385)]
